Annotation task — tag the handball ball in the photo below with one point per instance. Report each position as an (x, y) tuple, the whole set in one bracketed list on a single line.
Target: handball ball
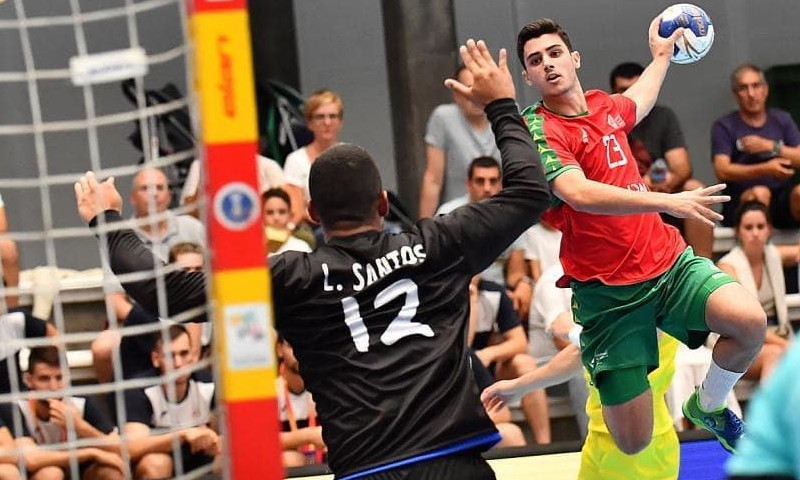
[(698, 34)]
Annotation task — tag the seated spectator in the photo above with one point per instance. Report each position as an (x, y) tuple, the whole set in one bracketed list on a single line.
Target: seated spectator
[(758, 266), (301, 435), (550, 312), (509, 269), (456, 133), (157, 226), (156, 419), (507, 356), (189, 256), (755, 151), (511, 435), (324, 113), (657, 143), (9, 261), (15, 326), (8, 455), (277, 210), (45, 421), (270, 175), (134, 350)]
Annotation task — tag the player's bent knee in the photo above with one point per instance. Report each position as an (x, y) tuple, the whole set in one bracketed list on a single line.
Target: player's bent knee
[(48, 473), (103, 346), (103, 472), (9, 472), (154, 465)]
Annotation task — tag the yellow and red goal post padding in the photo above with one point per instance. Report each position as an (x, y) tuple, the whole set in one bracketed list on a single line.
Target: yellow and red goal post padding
[(240, 280)]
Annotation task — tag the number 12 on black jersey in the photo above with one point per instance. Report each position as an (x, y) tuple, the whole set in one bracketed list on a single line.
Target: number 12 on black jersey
[(401, 326)]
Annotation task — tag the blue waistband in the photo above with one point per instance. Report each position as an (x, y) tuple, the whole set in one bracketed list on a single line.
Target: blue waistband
[(484, 440)]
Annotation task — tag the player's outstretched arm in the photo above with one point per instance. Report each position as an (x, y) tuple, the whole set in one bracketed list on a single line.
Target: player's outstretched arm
[(558, 370), (480, 231), (645, 91), (127, 254), (589, 196)]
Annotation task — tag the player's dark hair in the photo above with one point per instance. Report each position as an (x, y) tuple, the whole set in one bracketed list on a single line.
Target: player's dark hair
[(47, 354), (626, 70), (482, 162), (536, 29), (752, 206), (745, 67), (181, 248), (276, 193), (173, 332), (345, 186)]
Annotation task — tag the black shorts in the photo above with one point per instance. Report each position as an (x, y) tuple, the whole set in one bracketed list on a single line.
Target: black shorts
[(468, 465)]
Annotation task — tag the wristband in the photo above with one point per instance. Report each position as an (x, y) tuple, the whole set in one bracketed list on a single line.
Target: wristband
[(574, 335), (776, 148)]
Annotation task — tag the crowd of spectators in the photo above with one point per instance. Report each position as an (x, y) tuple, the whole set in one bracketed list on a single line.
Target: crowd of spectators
[(519, 320)]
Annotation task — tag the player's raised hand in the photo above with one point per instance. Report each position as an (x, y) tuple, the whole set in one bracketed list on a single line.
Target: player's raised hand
[(93, 197), (661, 47), (492, 80), (695, 204)]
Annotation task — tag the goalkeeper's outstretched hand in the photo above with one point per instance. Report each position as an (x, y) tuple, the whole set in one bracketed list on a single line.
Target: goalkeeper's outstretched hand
[(94, 198)]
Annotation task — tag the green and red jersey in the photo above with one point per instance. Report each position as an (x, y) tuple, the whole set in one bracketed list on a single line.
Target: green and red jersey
[(616, 250)]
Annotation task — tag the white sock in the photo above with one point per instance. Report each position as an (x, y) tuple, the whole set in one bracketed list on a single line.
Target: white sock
[(716, 386)]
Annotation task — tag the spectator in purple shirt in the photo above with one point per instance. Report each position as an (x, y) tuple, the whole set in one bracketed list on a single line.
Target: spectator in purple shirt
[(755, 151)]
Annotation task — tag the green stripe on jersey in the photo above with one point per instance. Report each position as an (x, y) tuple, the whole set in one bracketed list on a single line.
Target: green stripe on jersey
[(549, 158)]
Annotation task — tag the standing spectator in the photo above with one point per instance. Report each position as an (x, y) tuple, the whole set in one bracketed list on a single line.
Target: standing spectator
[(9, 261), (410, 401), (657, 143), (758, 266), (188, 416), (324, 112), (456, 134), (277, 212), (755, 151), (45, 422)]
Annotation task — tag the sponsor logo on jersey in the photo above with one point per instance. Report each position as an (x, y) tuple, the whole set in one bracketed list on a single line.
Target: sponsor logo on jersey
[(616, 121)]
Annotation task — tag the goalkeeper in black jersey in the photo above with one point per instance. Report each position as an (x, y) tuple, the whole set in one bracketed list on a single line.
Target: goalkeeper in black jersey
[(378, 321)]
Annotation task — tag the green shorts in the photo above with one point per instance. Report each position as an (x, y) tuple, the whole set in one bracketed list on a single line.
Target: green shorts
[(620, 321)]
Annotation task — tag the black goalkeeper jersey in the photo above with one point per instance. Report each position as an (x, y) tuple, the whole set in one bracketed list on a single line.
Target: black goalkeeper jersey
[(378, 321)]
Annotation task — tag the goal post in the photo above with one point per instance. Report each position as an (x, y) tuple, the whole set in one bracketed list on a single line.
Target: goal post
[(240, 284)]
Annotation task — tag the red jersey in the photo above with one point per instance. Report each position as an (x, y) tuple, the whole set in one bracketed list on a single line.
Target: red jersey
[(617, 250)]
